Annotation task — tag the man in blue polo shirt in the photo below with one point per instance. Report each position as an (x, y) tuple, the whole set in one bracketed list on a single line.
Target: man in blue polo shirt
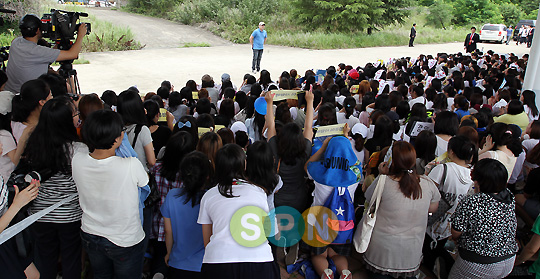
[(257, 40)]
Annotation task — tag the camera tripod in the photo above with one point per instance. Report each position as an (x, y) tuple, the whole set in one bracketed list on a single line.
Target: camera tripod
[(70, 75)]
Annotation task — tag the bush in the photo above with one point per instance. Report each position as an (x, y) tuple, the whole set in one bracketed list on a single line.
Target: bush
[(511, 13), (475, 11)]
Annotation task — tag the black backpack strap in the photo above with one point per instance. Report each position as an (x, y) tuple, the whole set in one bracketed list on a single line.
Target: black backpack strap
[(138, 129), (445, 172)]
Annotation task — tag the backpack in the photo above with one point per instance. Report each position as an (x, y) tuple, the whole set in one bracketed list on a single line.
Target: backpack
[(341, 203)]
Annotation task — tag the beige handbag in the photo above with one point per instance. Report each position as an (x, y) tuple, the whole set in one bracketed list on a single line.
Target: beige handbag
[(362, 236)]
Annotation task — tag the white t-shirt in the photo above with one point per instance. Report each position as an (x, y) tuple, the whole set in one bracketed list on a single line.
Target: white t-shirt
[(109, 197), (17, 129), (528, 111), (218, 211), (8, 145), (144, 138), (442, 146), (518, 168), (456, 185), (529, 144), (418, 100), (341, 119)]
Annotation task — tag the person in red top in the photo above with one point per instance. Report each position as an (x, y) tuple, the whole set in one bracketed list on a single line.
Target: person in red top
[(471, 40)]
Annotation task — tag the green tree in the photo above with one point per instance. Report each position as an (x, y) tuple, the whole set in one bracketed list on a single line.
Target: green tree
[(340, 15), (395, 11), (511, 13), (475, 11), (440, 14)]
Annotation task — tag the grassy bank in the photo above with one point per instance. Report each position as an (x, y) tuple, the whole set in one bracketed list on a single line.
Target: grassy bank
[(236, 24)]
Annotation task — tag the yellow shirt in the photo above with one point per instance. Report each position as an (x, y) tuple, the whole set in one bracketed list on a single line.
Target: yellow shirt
[(522, 120)]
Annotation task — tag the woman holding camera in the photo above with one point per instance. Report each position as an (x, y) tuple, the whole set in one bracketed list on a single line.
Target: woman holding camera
[(49, 150)]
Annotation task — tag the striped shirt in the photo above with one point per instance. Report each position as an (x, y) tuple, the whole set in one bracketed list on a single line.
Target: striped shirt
[(53, 190)]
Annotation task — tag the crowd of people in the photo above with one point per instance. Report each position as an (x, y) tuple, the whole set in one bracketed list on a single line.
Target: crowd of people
[(147, 183)]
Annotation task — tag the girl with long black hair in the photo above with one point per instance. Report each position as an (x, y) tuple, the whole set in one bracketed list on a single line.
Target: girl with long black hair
[(528, 98), (224, 257), (49, 151)]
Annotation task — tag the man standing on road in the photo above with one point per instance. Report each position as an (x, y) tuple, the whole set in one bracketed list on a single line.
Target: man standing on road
[(509, 33), (471, 40), (412, 35), (257, 40), (27, 60)]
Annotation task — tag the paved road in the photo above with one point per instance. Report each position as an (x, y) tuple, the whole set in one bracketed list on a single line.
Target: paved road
[(158, 33), (162, 59)]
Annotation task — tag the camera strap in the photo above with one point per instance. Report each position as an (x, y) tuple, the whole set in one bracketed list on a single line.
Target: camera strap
[(19, 227)]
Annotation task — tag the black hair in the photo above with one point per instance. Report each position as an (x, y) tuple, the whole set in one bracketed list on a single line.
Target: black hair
[(250, 106), (529, 99), (327, 115), (56, 83), (464, 148), (196, 175), (230, 165), (109, 98), (177, 147), (383, 103), (152, 109), (203, 106), (515, 107), (101, 128), (260, 166), (329, 97), (167, 84), (384, 131), (24, 103), (501, 134), (130, 107), (163, 92), (283, 113), (349, 104), (265, 78), (446, 123), (491, 175), (29, 25), (241, 99), (50, 144), (420, 111), (461, 102), (174, 100), (256, 90), (229, 93), (425, 144), (251, 79), (193, 130), (205, 120), (403, 109), (291, 144), (241, 138)]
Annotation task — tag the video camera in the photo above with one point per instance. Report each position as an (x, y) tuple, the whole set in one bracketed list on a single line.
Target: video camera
[(60, 26)]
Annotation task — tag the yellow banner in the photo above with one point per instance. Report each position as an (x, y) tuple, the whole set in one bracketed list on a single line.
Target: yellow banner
[(285, 94), (203, 131), (162, 115), (219, 127), (195, 95), (330, 130)]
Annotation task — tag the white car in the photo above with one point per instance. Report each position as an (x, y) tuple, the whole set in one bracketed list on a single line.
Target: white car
[(493, 32)]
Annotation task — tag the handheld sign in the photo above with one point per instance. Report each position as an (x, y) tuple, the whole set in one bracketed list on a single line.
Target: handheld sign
[(355, 88), (201, 131), (219, 127), (285, 94), (195, 95), (330, 130), (421, 126), (162, 115)]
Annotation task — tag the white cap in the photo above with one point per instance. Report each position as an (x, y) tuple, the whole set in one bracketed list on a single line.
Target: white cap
[(261, 23), (361, 129), (238, 126)]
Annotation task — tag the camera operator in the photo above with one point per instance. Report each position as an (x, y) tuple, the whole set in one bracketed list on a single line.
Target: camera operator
[(28, 60)]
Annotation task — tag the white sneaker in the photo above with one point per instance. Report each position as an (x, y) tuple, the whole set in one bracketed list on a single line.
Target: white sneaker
[(346, 274), (327, 274), (158, 275)]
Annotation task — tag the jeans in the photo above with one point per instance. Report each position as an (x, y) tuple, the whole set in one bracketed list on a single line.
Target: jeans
[(111, 261), (257, 55), (54, 240)]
